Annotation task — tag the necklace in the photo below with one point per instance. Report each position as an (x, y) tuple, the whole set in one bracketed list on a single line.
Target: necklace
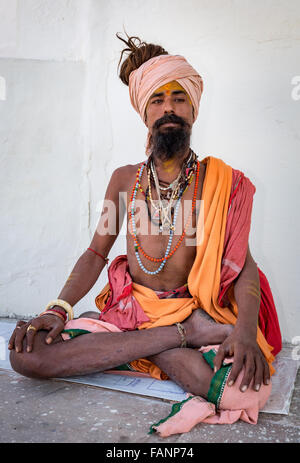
[(134, 234), (168, 252), (188, 169), (171, 184), (175, 182), (163, 212), (164, 206)]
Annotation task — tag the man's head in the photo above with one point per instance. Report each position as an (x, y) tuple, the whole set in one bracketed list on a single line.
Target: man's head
[(169, 118), (165, 90)]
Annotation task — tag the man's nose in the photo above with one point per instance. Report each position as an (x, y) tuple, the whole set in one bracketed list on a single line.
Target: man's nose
[(168, 106)]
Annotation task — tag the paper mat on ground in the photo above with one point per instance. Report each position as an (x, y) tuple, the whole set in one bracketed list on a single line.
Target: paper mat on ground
[(279, 402), (135, 385)]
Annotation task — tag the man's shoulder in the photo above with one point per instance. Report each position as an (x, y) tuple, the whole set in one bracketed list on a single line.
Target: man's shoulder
[(124, 174), (239, 177), (222, 163), (128, 168)]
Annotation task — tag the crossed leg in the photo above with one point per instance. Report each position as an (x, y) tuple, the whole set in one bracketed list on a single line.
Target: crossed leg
[(102, 351), (187, 368)]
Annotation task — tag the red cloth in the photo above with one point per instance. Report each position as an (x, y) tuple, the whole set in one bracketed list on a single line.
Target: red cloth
[(234, 255), (267, 317), (237, 230), (122, 309)]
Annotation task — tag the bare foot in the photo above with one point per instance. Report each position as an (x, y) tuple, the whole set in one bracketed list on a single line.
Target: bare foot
[(202, 330)]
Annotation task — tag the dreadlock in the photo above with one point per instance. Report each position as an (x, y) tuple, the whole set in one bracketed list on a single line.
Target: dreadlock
[(138, 52)]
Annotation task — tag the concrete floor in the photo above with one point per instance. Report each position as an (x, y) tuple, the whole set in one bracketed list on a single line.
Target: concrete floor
[(48, 411)]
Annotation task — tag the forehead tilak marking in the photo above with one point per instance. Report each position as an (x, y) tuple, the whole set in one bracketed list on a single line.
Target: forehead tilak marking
[(170, 87)]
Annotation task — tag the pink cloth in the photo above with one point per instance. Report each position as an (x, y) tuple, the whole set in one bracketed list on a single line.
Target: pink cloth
[(122, 309), (235, 405), (89, 324), (159, 71)]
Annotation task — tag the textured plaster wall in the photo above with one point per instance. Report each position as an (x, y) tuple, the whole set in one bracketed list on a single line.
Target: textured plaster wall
[(66, 123)]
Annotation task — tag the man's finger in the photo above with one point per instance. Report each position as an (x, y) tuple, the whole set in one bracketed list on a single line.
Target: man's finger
[(249, 373), (236, 368), (53, 334), (11, 342), (218, 360), (266, 373), (20, 333), (30, 335), (258, 377)]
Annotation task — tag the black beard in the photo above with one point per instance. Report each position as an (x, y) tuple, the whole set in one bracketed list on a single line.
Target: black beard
[(172, 141)]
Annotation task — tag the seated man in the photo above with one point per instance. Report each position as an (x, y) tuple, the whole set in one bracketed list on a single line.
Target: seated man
[(188, 279)]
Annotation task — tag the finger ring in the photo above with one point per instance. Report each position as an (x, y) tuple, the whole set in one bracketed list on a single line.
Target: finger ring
[(31, 327)]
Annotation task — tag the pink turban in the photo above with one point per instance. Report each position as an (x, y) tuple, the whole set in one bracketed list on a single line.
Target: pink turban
[(157, 72)]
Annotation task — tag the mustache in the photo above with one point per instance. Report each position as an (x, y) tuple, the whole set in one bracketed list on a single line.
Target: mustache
[(170, 118)]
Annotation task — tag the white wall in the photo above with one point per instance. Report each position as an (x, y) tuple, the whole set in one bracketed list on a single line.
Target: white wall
[(42, 144), (67, 123)]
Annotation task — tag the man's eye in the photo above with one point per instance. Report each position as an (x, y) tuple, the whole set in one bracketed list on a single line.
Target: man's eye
[(157, 101), (179, 100)]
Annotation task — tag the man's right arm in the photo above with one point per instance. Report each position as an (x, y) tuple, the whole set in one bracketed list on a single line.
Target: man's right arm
[(89, 266), (86, 270)]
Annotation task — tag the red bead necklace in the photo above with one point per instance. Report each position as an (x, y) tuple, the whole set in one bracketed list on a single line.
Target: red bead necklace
[(137, 244)]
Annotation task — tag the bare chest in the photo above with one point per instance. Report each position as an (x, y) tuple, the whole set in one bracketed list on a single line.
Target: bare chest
[(149, 241)]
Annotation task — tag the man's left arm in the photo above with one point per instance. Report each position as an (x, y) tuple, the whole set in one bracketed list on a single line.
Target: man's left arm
[(242, 342)]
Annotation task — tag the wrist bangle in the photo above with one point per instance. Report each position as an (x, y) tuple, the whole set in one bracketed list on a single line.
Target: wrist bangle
[(65, 305), (61, 312), (51, 312), (181, 331)]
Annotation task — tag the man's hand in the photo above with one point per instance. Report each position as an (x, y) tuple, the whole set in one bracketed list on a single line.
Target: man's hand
[(50, 323), (246, 353)]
